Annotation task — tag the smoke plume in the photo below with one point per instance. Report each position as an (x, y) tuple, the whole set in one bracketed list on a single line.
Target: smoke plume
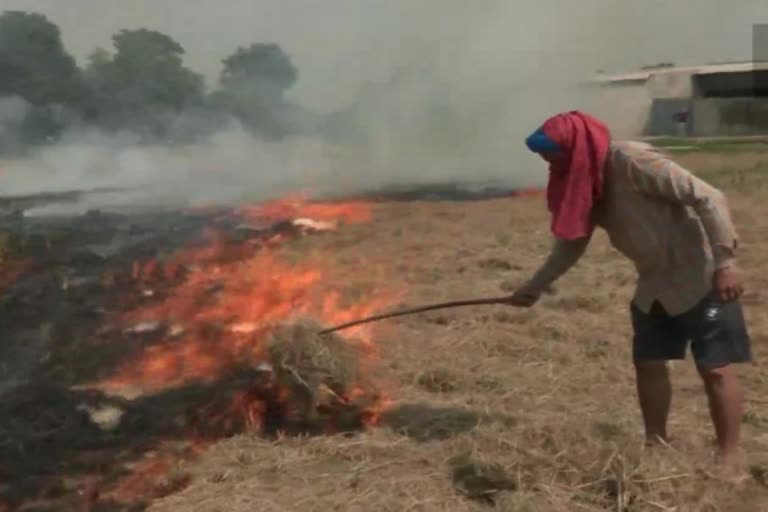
[(400, 92)]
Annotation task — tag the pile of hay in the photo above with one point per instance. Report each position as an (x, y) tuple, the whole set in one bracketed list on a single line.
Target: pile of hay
[(324, 377)]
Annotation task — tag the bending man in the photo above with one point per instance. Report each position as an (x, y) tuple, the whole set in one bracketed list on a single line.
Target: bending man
[(678, 232)]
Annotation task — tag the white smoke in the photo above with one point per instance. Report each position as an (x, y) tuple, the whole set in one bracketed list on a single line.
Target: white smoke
[(433, 90), (13, 112)]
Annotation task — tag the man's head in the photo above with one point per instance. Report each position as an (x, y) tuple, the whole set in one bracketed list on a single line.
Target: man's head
[(576, 147), (541, 143)]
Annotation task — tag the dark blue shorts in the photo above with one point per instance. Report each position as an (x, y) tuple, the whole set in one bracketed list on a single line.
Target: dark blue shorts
[(716, 331)]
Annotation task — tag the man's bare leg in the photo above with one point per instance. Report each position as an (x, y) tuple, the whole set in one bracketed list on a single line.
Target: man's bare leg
[(726, 405), (655, 395)]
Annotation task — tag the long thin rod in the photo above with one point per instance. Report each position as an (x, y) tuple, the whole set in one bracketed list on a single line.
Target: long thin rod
[(411, 311)]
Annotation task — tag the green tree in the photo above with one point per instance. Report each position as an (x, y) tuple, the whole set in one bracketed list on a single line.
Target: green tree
[(264, 64), (33, 62), (144, 86), (150, 64), (253, 83)]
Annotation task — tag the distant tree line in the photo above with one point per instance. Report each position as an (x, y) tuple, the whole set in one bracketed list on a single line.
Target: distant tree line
[(141, 86)]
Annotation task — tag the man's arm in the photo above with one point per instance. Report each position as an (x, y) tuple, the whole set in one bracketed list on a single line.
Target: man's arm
[(564, 255), (660, 177)]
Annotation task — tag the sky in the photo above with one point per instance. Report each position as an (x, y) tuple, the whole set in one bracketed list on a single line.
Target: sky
[(339, 44)]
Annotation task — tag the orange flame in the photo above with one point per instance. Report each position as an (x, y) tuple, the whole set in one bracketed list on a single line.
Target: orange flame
[(529, 192), (230, 299), (217, 317), (297, 206)]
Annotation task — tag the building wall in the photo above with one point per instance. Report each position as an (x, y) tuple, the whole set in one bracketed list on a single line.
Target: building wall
[(661, 119), (732, 85), (718, 103), (729, 117), (670, 85)]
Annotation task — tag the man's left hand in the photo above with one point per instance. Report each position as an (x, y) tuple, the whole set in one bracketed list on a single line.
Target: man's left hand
[(727, 285)]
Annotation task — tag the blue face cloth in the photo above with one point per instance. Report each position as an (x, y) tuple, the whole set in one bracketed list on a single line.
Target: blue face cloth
[(539, 142)]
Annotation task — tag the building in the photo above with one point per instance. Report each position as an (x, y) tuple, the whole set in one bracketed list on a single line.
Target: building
[(712, 100)]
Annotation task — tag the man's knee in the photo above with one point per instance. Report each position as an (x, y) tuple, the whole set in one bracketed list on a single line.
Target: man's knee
[(715, 375), (651, 367)]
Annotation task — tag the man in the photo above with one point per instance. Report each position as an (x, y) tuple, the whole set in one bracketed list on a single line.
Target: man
[(677, 230)]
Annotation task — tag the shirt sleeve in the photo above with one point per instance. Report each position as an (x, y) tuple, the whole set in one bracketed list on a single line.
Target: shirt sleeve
[(564, 255), (658, 176)]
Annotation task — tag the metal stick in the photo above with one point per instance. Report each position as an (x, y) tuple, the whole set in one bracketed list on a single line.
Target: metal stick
[(411, 311)]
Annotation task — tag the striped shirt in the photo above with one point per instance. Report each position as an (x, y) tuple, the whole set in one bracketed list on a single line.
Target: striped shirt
[(674, 227)]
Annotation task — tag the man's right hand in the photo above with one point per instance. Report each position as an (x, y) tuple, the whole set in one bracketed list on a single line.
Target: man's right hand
[(727, 285)]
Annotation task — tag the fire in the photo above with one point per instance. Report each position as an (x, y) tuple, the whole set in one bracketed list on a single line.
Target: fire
[(240, 300), (231, 296), (219, 313), (196, 330), (297, 206), (530, 192)]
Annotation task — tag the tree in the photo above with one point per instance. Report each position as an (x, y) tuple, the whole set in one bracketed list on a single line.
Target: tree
[(98, 60), (253, 82), (263, 64), (33, 62), (144, 86), (151, 63)]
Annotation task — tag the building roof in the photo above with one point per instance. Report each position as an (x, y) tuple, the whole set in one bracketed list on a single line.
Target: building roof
[(707, 69)]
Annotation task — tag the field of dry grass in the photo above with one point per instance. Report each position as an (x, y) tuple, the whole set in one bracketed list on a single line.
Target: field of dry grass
[(545, 396)]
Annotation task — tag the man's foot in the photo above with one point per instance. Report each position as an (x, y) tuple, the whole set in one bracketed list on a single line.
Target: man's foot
[(731, 469), (656, 440), (734, 476), (653, 442)]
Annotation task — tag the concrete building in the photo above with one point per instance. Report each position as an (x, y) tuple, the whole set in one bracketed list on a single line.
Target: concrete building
[(712, 100)]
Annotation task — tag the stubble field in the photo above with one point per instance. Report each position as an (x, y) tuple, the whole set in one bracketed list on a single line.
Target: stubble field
[(539, 403)]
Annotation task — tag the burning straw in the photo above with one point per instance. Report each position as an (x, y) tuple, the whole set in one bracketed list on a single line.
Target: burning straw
[(324, 376)]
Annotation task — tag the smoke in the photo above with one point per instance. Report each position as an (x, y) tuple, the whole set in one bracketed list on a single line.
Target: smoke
[(406, 92), (232, 166), (13, 112)]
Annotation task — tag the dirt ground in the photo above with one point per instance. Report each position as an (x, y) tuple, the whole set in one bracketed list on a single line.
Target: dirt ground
[(545, 394)]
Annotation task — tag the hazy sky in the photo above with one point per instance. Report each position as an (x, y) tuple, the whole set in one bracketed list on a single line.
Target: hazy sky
[(337, 44)]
